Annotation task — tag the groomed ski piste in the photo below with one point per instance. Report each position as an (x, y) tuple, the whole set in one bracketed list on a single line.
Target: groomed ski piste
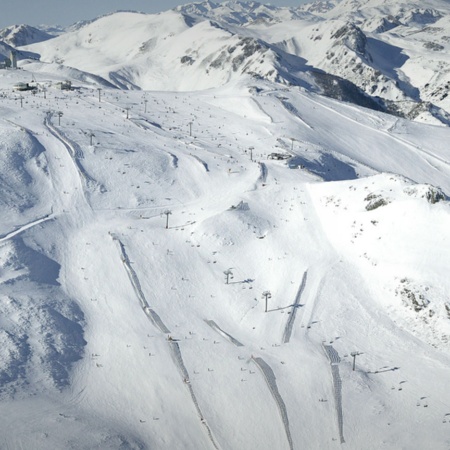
[(118, 328)]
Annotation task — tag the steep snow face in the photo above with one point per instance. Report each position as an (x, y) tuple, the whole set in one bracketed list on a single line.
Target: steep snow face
[(343, 49), (388, 49)]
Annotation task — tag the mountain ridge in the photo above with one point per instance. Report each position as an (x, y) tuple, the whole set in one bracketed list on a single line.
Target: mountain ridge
[(379, 62)]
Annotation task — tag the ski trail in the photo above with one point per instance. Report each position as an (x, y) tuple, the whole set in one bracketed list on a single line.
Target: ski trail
[(272, 385), (288, 329), (25, 227), (420, 152), (261, 109), (346, 159), (295, 112), (151, 127), (334, 358), (176, 353), (159, 324), (147, 125), (149, 312), (219, 330), (74, 151)]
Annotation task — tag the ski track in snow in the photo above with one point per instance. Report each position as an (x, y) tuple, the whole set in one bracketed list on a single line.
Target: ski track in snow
[(272, 384), (419, 151), (176, 352), (159, 324), (149, 312), (72, 150), (290, 323), (152, 127), (295, 112), (25, 227), (334, 358), (227, 336), (259, 106)]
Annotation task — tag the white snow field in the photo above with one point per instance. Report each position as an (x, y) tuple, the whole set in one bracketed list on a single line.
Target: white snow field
[(125, 211)]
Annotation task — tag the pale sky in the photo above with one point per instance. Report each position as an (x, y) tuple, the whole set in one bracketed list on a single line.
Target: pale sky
[(67, 12)]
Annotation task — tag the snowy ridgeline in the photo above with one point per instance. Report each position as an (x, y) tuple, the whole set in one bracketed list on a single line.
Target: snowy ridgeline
[(145, 234), (381, 54)]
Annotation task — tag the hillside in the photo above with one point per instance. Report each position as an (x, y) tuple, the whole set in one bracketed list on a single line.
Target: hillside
[(208, 258)]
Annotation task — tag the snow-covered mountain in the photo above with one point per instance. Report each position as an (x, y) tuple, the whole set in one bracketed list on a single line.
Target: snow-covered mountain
[(393, 55), (19, 35), (242, 13), (200, 249)]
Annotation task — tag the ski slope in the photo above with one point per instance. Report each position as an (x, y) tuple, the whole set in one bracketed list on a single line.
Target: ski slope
[(118, 332)]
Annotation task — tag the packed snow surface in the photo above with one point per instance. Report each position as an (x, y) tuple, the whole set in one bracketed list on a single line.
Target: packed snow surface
[(204, 269)]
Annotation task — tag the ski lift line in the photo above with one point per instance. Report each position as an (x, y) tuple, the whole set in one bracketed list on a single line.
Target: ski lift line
[(340, 156)]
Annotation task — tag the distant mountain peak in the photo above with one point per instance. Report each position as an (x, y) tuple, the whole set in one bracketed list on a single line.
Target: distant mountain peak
[(19, 35), (241, 12)]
